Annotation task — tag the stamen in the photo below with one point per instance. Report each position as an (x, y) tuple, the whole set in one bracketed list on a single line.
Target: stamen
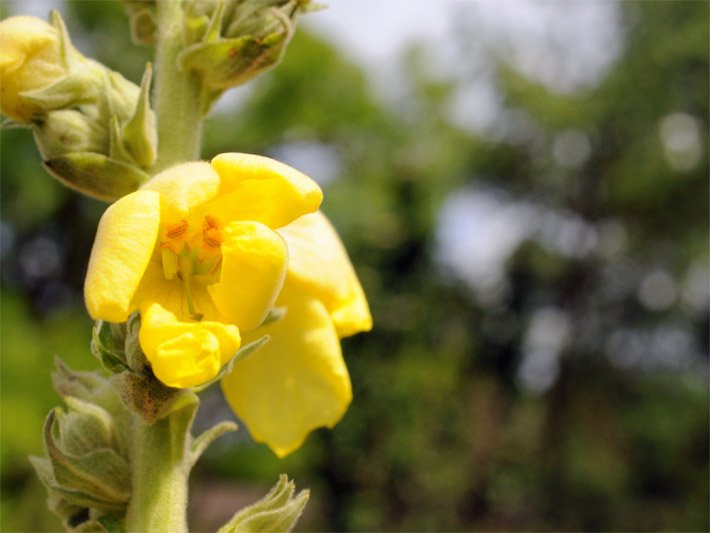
[(185, 263), (210, 232), (212, 238), (175, 230), (214, 267), (210, 223), (169, 260)]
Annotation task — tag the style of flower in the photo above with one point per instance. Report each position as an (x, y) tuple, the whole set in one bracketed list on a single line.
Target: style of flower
[(298, 381), (195, 251)]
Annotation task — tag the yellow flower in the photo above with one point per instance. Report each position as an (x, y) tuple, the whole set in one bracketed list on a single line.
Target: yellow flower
[(298, 381), (30, 58), (195, 251)]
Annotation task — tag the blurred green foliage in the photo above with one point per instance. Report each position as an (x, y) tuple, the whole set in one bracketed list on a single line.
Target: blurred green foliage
[(443, 433)]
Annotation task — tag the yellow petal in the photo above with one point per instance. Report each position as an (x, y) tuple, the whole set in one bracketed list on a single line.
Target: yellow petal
[(185, 354), (263, 190), (184, 187), (124, 243), (296, 382), (252, 272), (319, 264)]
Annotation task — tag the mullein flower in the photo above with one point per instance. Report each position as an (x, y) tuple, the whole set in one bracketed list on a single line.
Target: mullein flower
[(205, 252), (195, 251), (298, 381)]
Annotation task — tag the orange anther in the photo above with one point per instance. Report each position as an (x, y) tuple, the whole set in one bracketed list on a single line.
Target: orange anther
[(212, 237), (210, 223), (175, 230)]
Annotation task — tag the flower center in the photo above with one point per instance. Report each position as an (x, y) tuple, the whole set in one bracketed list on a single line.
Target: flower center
[(192, 256)]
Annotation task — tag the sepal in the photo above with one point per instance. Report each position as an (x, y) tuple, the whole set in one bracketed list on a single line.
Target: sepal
[(244, 352), (96, 175), (279, 510), (140, 136), (146, 396)]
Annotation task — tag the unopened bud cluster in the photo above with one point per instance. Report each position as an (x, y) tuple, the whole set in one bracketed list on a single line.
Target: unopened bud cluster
[(86, 467), (227, 42), (94, 129)]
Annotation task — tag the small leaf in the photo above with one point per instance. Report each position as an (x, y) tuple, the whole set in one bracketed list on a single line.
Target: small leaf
[(200, 444)]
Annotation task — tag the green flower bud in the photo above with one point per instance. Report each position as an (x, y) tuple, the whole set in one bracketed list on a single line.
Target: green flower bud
[(234, 40), (279, 510), (86, 469), (69, 130), (94, 128)]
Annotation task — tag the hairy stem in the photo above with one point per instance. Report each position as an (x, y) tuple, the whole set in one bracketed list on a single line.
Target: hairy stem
[(177, 93), (159, 475)]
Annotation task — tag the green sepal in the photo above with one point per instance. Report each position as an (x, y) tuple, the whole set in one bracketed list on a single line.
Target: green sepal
[(93, 388), (96, 175), (279, 510), (65, 44), (212, 32), (139, 135), (108, 347), (72, 90), (242, 353), (132, 346), (86, 427), (78, 384), (100, 474), (147, 396), (116, 149)]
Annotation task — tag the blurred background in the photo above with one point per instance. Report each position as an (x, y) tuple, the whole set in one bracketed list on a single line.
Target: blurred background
[(523, 189)]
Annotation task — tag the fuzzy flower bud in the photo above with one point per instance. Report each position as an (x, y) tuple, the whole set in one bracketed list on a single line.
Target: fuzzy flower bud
[(234, 40), (94, 128), (30, 59)]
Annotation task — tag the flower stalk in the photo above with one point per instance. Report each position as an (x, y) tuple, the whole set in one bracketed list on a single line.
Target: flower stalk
[(160, 470), (177, 93)]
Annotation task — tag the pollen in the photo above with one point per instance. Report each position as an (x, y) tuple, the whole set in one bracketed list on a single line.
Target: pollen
[(178, 229), (210, 232)]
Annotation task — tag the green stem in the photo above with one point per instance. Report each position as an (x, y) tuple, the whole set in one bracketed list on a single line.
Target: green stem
[(177, 94), (159, 476)]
